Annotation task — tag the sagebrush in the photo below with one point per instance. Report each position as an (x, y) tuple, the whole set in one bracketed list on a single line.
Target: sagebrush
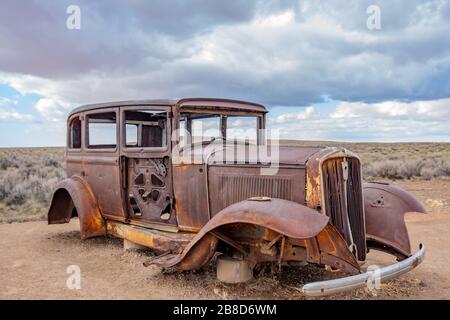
[(396, 160), (27, 179)]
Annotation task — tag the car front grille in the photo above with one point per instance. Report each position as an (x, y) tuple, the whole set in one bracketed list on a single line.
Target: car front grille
[(344, 201)]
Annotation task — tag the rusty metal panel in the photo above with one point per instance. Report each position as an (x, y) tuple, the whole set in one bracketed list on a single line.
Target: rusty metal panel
[(303, 235), (191, 201), (159, 241), (75, 193), (220, 103), (385, 207), (286, 155), (150, 190), (231, 184), (104, 177), (102, 173)]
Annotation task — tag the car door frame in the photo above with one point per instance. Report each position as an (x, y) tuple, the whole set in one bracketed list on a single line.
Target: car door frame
[(95, 164), (127, 153)]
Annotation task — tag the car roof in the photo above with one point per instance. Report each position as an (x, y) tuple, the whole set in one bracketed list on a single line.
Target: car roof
[(185, 102)]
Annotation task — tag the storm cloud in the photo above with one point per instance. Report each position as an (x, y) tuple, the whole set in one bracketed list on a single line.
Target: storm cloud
[(290, 53)]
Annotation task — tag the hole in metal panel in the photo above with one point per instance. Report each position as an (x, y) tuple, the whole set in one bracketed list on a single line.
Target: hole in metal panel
[(139, 180), (156, 181), (155, 195)]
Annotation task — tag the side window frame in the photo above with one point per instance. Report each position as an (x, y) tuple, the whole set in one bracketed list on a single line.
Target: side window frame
[(86, 130), (167, 133), (69, 133)]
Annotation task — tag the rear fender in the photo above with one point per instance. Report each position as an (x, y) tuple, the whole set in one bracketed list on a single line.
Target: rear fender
[(288, 218), (74, 193), (385, 207)]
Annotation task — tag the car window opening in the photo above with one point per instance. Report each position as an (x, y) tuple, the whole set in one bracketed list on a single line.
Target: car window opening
[(75, 133), (145, 129), (102, 130)]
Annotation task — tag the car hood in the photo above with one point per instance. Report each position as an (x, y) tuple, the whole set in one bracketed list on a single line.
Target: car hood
[(215, 154)]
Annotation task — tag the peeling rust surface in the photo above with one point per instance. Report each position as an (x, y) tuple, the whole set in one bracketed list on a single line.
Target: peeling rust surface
[(283, 216), (385, 207), (159, 241), (304, 228), (74, 193)]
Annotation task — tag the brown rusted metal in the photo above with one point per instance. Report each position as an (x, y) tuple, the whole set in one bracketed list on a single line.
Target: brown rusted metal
[(322, 243), (292, 219), (282, 216), (385, 207), (231, 184), (191, 205), (73, 197), (197, 254), (160, 241), (337, 196), (343, 200)]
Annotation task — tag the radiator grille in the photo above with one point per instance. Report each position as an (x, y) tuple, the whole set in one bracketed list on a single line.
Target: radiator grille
[(238, 188), (344, 199)]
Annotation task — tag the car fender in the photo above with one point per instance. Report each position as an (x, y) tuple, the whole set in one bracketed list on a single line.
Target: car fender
[(75, 193), (385, 206), (282, 216)]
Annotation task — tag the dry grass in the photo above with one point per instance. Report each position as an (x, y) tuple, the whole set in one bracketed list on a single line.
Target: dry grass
[(27, 179), (396, 160), (28, 175)]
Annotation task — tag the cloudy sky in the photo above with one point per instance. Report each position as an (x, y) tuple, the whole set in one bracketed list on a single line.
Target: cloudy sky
[(322, 72)]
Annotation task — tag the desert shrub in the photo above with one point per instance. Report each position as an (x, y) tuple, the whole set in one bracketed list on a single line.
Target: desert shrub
[(428, 173), (28, 178), (436, 168), (395, 160), (409, 168), (6, 162), (17, 197)]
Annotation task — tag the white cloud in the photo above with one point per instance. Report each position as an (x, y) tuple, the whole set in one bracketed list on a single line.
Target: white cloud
[(12, 115), (389, 121), (7, 102), (276, 20), (308, 113), (51, 109), (276, 54), (434, 110)]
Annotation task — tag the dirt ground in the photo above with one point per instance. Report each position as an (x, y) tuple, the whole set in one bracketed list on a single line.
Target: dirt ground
[(34, 258)]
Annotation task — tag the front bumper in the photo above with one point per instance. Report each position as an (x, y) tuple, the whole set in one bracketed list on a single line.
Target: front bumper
[(323, 288)]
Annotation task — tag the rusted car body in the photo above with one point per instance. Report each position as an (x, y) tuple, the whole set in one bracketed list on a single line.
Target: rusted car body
[(187, 206)]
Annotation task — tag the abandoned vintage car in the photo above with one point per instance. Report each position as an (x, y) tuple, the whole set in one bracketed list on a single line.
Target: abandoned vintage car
[(126, 180)]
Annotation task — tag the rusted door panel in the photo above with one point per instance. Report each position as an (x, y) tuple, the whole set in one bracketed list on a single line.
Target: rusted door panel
[(150, 190), (100, 167), (147, 170), (191, 196), (231, 184), (103, 175)]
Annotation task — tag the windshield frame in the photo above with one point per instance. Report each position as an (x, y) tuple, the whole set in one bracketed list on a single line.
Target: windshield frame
[(223, 114)]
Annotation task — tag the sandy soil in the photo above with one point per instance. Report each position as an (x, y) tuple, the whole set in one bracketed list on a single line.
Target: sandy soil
[(34, 258)]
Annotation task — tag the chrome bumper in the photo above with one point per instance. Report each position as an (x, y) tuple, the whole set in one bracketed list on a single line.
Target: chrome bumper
[(323, 288)]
